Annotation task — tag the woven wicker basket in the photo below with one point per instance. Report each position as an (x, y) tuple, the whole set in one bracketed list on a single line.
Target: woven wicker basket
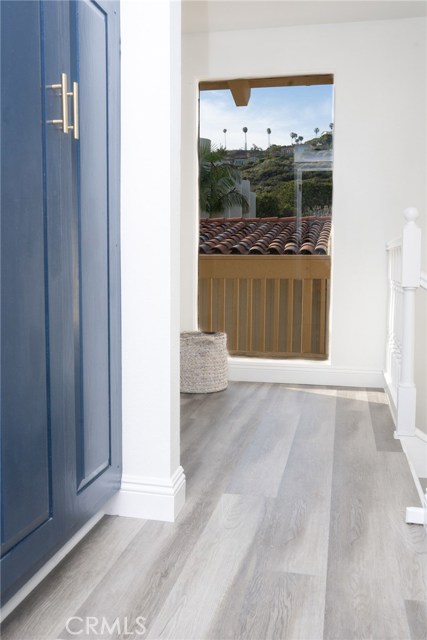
[(204, 366)]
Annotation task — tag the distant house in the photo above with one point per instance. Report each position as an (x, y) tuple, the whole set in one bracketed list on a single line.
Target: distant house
[(241, 158), (287, 151)]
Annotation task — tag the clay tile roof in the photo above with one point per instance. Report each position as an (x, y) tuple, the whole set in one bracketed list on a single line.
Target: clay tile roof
[(265, 236)]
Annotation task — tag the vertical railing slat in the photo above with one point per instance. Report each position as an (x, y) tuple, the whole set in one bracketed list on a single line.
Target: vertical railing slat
[(263, 311), (322, 311), (210, 303), (276, 316), (249, 312), (236, 313), (290, 314), (307, 299), (221, 305)]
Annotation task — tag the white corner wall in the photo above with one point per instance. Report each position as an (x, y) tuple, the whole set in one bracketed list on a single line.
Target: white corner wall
[(379, 163), (153, 484)]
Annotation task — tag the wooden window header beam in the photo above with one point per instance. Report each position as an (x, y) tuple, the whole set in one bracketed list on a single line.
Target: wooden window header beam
[(242, 87), (241, 90)]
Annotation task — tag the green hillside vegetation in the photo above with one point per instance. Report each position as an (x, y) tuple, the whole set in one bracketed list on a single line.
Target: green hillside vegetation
[(217, 182), (272, 178)]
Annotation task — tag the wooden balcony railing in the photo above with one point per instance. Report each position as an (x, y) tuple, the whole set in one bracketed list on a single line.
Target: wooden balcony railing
[(269, 306)]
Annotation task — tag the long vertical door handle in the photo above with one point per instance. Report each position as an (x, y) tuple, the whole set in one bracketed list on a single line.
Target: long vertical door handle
[(75, 126), (62, 87)]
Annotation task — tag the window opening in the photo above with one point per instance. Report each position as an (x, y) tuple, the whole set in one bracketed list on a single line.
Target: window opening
[(265, 198)]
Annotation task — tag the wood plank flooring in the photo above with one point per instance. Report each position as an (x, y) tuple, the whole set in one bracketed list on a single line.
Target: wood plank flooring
[(294, 528)]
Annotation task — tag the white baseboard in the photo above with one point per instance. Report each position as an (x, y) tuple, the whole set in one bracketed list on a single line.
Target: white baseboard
[(301, 372), (392, 398), (415, 448), (41, 574), (149, 498), (416, 515)]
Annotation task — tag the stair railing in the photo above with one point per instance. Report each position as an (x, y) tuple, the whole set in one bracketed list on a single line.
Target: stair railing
[(404, 275)]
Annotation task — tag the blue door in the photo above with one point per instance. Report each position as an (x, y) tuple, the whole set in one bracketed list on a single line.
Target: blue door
[(60, 333)]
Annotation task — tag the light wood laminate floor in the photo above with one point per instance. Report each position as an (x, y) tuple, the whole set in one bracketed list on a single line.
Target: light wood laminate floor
[(294, 527)]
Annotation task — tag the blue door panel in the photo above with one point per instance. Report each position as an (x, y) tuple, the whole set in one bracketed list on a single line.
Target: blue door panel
[(60, 361), (93, 446), (25, 469)]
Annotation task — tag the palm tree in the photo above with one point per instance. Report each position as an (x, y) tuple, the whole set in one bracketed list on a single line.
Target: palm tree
[(331, 126), (245, 130), (218, 182), (316, 131), (293, 136), (225, 138), (300, 138), (268, 134)]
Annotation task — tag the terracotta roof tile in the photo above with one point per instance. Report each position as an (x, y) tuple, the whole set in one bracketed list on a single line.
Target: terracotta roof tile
[(265, 236)]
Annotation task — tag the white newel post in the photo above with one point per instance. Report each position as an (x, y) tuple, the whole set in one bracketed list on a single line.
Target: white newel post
[(411, 269)]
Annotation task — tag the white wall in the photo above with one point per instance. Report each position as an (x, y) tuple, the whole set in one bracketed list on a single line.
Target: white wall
[(153, 483), (379, 166)]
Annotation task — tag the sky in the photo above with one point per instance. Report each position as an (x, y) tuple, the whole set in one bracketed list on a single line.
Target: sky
[(282, 109)]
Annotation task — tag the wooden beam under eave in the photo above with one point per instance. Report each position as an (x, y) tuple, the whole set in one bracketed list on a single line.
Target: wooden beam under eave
[(241, 91), (287, 81)]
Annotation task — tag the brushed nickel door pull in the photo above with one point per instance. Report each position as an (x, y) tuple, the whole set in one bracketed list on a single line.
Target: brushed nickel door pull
[(75, 126), (62, 87)]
